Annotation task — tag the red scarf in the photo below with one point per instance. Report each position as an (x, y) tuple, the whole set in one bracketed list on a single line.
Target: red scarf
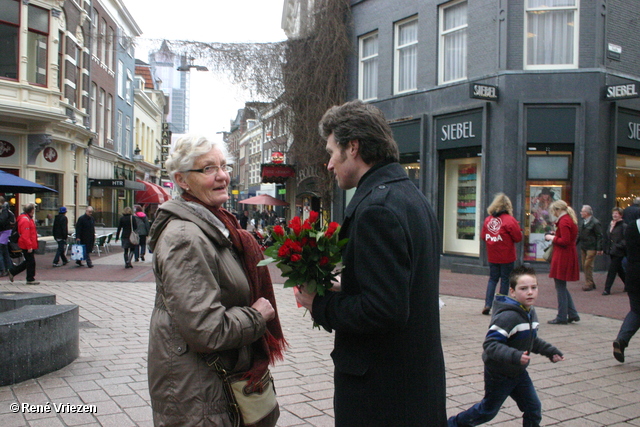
[(271, 346)]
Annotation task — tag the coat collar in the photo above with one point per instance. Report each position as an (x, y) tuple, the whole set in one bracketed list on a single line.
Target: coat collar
[(377, 175)]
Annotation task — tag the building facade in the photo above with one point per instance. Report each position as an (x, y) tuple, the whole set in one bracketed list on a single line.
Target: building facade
[(536, 99)]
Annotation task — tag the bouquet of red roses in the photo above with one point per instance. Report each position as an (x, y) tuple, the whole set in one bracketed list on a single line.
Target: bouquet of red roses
[(306, 253)]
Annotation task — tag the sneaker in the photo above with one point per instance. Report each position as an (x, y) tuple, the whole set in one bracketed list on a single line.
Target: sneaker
[(33, 282), (57, 265), (618, 351)]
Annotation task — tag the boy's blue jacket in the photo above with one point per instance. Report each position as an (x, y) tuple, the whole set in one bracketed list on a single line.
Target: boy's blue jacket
[(513, 331)]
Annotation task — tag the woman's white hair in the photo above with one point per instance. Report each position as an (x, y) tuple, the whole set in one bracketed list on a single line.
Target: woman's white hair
[(185, 152)]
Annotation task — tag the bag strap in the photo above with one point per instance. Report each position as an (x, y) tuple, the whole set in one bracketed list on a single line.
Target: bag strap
[(234, 408)]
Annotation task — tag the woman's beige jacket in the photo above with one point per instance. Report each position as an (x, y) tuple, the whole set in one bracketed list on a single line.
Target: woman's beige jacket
[(201, 307)]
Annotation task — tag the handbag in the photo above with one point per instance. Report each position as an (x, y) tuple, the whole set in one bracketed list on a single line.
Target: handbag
[(548, 253), (78, 252), (254, 406), (134, 239)]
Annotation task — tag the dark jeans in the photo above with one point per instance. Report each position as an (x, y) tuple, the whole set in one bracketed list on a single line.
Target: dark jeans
[(141, 248), (497, 388), (566, 309), (497, 272), (615, 267), (28, 264), (60, 252), (5, 259), (631, 322)]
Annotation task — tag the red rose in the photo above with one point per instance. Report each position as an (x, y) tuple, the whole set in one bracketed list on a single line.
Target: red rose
[(323, 261), (284, 251), (296, 257), (306, 226), (313, 243), (313, 217), (333, 226), (278, 230)]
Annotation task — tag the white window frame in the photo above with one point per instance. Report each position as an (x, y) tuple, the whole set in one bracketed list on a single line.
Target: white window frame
[(443, 36), (396, 54), (371, 60), (576, 36)]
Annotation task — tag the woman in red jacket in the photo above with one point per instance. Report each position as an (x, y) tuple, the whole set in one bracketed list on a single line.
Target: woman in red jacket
[(28, 242), (564, 263), (500, 232)]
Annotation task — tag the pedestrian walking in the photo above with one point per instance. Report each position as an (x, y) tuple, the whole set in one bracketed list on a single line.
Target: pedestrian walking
[(28, 243), (142, 228), (501, 231), (86, 234), (590, 239), (126, 225), (7, 222), (631, 322), (615, 247), (564, 263), (512, 337), (61, 234)]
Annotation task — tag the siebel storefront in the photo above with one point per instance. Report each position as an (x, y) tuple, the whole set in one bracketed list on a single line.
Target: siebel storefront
[(536, 137)]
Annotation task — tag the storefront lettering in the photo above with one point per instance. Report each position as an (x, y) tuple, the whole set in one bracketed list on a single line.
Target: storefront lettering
[(484, 91), (634, 131), (455, 131), (621, 91)]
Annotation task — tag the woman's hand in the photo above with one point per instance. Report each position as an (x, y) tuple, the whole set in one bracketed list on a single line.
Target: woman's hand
[(337, 284), (265, 308)]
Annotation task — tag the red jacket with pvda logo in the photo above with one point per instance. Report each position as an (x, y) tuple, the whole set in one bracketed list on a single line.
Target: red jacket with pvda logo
[(500, 234)]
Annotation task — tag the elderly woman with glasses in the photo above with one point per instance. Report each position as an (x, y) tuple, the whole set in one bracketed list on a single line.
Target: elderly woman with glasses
[(212, 301)]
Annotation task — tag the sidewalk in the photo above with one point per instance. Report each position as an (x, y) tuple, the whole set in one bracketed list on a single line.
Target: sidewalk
[(590, 388)]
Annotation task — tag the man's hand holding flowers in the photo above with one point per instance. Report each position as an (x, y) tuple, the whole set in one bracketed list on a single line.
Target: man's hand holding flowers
[(307, 254)]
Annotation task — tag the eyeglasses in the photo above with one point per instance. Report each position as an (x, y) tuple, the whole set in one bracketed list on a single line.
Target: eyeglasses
[(213, 169)]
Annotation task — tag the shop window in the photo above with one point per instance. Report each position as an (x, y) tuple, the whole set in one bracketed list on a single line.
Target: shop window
[(406, 55), (48, 207), (453, 42), (37, 40), (627, 179), (551, 34), (548, 180), (462, 217), (9, 30), (368, 87)]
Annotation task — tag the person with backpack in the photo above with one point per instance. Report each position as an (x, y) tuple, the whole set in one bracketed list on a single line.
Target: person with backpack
[(28, 242), (7, 222)]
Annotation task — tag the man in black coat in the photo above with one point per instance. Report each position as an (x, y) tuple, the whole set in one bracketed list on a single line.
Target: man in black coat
[(389, 366), (86, 233), (60, 234), (632, 212)]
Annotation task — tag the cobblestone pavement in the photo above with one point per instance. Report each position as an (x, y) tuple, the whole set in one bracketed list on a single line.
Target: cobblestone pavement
[(590, 388)]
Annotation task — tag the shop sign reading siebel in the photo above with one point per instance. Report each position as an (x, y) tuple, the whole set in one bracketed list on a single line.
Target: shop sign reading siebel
[(625, 91), (481, 91), (460, 130)]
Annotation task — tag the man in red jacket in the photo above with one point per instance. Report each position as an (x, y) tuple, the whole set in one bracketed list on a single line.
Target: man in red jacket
[(28, 242)]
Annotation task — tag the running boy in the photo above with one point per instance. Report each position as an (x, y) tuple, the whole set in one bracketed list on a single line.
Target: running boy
[(508, 345)]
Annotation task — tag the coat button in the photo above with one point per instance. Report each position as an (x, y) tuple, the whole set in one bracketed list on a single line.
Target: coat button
[(179, 348)]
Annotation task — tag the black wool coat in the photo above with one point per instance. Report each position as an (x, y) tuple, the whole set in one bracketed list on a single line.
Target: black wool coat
[(86, 231), (389, 366)]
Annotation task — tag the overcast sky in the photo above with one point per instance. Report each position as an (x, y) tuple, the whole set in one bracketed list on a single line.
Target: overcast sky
[(214, 101)]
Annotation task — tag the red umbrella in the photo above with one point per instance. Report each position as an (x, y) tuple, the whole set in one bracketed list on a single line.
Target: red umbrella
[(264, 199)]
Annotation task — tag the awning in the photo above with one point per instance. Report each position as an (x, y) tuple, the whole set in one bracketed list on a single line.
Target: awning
[(153, 193)]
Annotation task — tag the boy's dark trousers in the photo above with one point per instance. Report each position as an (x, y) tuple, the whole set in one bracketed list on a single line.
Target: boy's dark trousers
[(28, 264), (497, 387)]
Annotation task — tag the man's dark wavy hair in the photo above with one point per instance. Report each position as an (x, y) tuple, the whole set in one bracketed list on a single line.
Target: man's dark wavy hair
[(366, 123)]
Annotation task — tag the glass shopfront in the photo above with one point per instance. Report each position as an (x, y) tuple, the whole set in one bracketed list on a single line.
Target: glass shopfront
[(48, 202), (628, 157)]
